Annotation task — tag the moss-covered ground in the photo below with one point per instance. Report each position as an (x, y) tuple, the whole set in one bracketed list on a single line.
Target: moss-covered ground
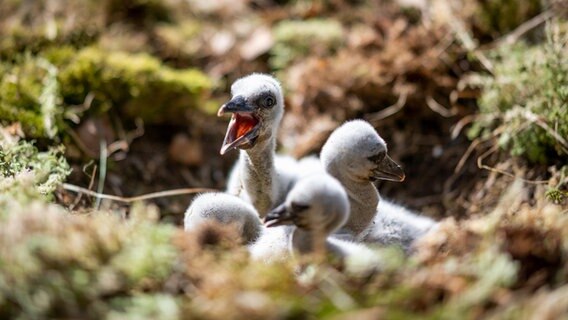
[(120, 97)]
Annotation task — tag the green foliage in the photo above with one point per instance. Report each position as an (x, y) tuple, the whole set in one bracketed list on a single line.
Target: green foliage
[(37, 91), (26, 26), (556, 195), (148, 252), (138, 85), (527, 97), (49, 99), (126, 263), (59, 265), (502, 275), (295, 39), (29, 95), (23, 167), (55, 264), (145, 306)]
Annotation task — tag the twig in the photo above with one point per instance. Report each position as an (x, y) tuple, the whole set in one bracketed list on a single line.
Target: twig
[(138, 131), (153, 195), (530, 116), (390, 110), (91, 183), (467, 153), (118, 145), (72, 111), (438, 108), (78, 142), (524, 28), (341, 299), (476, 142), (458, 127), (102, 171), (492, 169), (469, 43)]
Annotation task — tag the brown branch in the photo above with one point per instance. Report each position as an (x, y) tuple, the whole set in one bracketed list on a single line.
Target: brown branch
[(505, 173), (390, 110), (153, 195), (524, 28)]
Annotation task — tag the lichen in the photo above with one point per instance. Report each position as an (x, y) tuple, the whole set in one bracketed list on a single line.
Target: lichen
[(24, 169), (527, 97), (146, 306), (59, 265), (148, 254)]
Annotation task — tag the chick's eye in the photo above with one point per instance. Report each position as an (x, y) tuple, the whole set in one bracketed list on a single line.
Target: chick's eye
[(298, 207), (377, 157), (269, 101)]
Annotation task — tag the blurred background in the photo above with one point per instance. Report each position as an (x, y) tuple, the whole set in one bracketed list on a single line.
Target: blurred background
[(143, 79), (120, 97)]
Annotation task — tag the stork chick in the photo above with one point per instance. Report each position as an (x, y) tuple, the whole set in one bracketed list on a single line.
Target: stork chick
[(257, 106), (395, 224), (317, 206), (227, 210), (357, 156)]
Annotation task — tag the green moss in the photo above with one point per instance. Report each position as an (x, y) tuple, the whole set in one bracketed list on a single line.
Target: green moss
[(29, 27), (295, 39), (138, 85), (527, 97), (148, 254), (60, 265), (146, 306), (22, 166), (37, 91), (21, 87)]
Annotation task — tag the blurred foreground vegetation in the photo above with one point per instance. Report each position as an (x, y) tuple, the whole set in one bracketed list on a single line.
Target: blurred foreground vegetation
[(120, 97)]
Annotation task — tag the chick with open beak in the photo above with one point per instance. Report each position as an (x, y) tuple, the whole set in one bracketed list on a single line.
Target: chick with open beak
[(256, 108)]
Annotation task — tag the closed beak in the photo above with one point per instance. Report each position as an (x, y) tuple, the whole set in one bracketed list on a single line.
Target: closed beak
[(388, 170), (278, 216)]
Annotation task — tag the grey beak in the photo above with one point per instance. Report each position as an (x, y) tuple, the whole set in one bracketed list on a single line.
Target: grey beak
[(388, 170), (277, 217), (236, 104)]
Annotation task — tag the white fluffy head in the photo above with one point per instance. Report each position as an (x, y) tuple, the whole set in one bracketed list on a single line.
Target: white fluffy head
[(257, 107), (317, 202), (356, 151), (254, 88), (225, 209)]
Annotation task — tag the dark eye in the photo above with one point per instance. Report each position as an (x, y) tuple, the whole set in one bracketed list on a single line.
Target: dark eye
[(298, 207), (269, 101), (377, 157)]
